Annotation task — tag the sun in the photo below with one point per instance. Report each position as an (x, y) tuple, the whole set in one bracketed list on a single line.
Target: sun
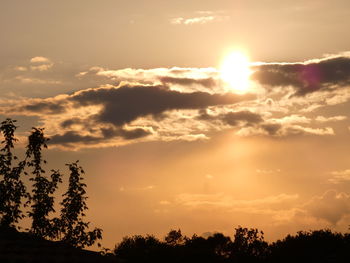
[(235, 71)]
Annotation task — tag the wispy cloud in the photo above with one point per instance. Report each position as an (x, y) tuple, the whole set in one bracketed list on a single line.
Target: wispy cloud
[(328, 119), (267, 171), (226, 201), (329, 207), (279, 130), (340, 176), (200, 18)]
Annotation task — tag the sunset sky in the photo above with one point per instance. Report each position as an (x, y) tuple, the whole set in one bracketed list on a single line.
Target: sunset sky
[(194, 114)]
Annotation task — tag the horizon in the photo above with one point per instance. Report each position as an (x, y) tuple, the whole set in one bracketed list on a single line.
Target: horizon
[(192, 115)]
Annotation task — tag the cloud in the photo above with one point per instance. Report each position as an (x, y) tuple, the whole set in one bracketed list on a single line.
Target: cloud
[(190, 79), (306, 77), (40, 64), (44, 106), (116, 115), (31, 80), (206, 82), (140, 189), (286, 84), (201, 20), (291, 119), (37, 77), (112, 115), (265, 171), (328, 119), (21, 68), (279, 130), (331, 206), (267, 205), (43, 67), (127, 103), (233, 118), (288, 126), (68, 139), (131, 105), (40, 59), (340, 176)]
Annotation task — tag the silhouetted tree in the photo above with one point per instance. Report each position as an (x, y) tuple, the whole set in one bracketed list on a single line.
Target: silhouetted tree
[(141, 249), (12, 189), (248, 245), (312, 246), (174, 237), (43, 188), (212, 249), (70, 227), (220, 244), (73, 229)]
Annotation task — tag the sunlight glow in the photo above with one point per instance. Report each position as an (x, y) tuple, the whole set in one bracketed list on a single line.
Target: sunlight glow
[(235, 71)]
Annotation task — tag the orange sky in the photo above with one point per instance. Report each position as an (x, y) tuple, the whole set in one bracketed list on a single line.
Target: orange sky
[(134, 90)]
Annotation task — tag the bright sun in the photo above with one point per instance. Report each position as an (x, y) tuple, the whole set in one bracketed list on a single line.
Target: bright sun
[(235, 71)]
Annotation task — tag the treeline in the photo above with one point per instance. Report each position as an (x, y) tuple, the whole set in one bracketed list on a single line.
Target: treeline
[(36, 202), (247, 245)]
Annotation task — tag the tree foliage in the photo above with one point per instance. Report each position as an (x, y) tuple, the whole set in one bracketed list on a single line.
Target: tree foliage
[(174, 237), (247, 246), (141, 249), (71, 223), (12, 188), (42, 199), (70, 226)]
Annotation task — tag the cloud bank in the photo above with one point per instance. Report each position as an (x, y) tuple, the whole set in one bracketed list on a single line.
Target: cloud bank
[(132, 105)]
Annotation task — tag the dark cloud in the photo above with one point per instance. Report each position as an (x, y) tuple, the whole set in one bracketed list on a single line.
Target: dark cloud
[(118, 107), (125, 104), (331, 206), (71, 137), (45, 107), (278, 130), (68, 123), (133, 134), (271, 128), (306, 77), (232, 118), (74, 137), (205, 82)]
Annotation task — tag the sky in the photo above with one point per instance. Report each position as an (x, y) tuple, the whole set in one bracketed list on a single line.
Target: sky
[(135, 90)]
